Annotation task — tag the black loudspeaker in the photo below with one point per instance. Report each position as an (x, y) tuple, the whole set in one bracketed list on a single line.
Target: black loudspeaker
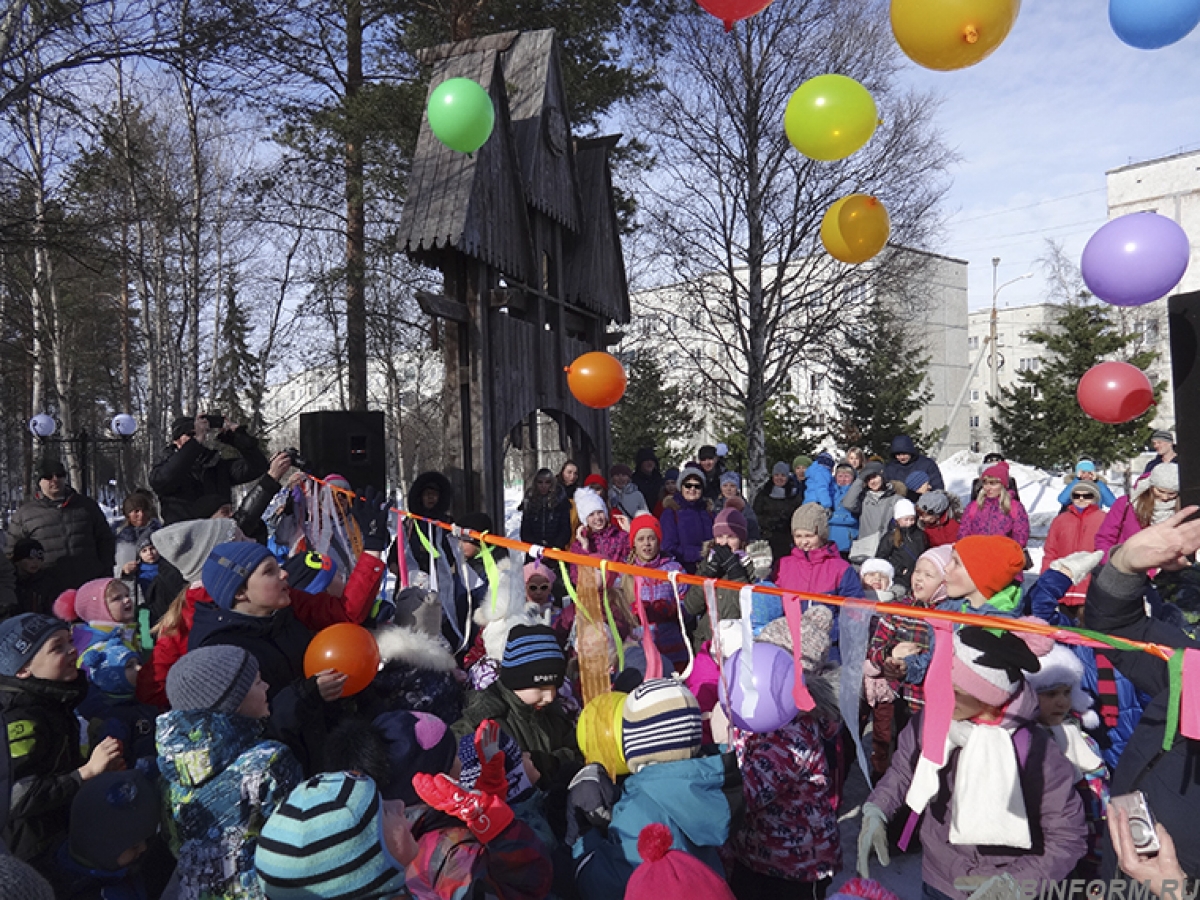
[(345, 443), (1184, 317)]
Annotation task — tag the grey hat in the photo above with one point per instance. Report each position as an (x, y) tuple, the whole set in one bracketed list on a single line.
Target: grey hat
[(20, 639), (812, 517), (1165, 477), (781, 468), (1087, 486), (186, 545), (936, 502), (216, 679), (20, 881), (1162, 435)]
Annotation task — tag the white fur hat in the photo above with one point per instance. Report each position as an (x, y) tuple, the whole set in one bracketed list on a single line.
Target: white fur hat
[(879, 565), (904, 507), (587, 502), (1061, 666)]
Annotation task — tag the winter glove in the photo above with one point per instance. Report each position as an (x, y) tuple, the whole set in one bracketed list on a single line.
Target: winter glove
[(590, 800), (492, 777), (371, 514), (1077, 566), (998, 887), (761, 560), (872, 836), (716, 560), (484, 814)]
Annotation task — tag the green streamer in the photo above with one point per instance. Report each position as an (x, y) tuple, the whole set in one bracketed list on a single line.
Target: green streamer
[(493, 573), (1175, 670), (429, 548)]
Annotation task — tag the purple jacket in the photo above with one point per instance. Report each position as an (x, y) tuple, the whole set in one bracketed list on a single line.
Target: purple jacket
[(990, 519), (612, 543), (1056, 821), (686, 525), (1118, 526)]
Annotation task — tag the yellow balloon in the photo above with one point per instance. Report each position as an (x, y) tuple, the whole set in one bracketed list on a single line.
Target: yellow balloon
[(829, 117), (599, 730), (951, 34), (855, 228)]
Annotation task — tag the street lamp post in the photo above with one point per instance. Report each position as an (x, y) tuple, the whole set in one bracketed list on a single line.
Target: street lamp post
[(43, 427), (995, 360)]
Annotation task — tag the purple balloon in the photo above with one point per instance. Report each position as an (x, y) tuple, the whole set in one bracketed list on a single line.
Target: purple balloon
[(774, 675), (1135, 259)]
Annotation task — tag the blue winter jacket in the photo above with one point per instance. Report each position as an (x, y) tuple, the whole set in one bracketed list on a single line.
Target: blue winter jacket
[(818, 481), (1107, 498), (843, 524), (691, 797), (1051, 586)]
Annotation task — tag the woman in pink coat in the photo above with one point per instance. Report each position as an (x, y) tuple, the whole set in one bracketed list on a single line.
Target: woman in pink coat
[(994, 510), (1154, 499)]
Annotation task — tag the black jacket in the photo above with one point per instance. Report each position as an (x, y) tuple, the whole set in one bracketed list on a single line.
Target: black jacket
[(547, 524), (43, 746), (1169, 779), (913, 542), (187, 473), (650, 484), (77, 538)]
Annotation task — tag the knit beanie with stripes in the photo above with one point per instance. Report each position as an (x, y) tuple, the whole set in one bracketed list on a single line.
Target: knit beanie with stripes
[(661, 723), (326, 841), (532, 659)]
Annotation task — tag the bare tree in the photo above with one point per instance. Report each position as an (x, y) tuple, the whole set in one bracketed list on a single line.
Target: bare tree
[(733, 212)]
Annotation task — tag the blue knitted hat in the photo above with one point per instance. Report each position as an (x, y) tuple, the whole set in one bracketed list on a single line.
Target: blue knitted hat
[(915, 479), (105, 665), (326, 841), (228, 567), (532, 658), (22, 636)]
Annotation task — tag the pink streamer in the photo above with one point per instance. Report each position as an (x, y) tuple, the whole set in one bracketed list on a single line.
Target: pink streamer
[(1189, 707), (401, 553), (653, 658), (801, 696), (939, 695)]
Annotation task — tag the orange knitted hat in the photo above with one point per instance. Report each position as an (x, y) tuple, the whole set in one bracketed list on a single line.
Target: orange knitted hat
[(992, 561)]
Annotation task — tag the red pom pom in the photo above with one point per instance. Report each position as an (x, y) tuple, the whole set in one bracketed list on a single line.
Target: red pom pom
[(654, 842)]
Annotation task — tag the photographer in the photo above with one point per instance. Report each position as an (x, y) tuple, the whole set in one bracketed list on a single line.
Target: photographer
[(249, 514), (192, 467)]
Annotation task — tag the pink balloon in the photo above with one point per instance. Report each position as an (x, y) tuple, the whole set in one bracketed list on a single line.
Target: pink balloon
[(1135, 259), (1115, 392)]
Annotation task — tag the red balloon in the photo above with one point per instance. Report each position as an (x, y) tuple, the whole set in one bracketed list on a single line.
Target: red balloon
[(730, 11), (597, 379), (1115, 392), (350, 649)]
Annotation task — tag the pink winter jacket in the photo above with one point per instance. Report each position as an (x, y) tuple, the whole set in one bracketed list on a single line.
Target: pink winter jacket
[(1118, 526), (990, 519)]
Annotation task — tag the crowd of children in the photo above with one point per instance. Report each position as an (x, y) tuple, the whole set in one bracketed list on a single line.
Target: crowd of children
[(183, 746)]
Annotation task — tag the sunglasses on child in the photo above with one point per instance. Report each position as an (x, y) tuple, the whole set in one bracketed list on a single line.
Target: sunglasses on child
[(537, 587), (1083, 495)]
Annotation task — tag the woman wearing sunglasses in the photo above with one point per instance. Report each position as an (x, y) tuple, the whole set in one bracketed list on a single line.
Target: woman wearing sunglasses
[(1072, 531), (687, 519)]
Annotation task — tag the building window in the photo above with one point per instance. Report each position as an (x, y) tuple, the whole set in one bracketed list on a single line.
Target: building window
[(1031, 364), (814, 382), (974, 421), (974, 446), (973, 343), (974, 396)]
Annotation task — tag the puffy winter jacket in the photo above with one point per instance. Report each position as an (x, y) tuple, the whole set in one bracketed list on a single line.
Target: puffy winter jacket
[(78, 541), (547, 524), (873, 508), (775, 516), (894, 470), (686, 525), (1053, 808), (990, 519), (223, 782), (691, 797), (185, 474), (128, 539), (1070, 532), (843, 524), (1107, 498), (1119, 525), (820, 571), (913, 542), (818, 481), (43, 746)]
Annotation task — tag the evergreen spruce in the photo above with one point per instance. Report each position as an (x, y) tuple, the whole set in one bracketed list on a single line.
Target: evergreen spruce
[(235, 364), (651, 414)]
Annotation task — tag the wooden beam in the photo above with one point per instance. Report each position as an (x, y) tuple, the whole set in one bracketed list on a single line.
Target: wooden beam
[(443, 307)]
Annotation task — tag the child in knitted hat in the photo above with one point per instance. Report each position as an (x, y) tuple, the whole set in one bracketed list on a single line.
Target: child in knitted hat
[(1063, 709), (223, 780), (40, 686), (111, 709), (981, 576), (98, 608), (668, 874), (335, 837), (524, 700), (670, 784), (656, 605), (33, 587), (905, 543), (729, 556), (937, 515), (597, 535), (1000, 782), (994, 509)]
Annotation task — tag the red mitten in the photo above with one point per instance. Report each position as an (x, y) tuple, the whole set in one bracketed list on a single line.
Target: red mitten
[(486, 815), (492, 777)]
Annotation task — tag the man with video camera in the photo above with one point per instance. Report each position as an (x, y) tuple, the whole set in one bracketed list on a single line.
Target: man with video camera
[(207, 456)]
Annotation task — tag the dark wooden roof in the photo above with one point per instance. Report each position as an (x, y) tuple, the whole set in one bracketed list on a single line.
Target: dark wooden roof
[(473, 203), (594, 267)]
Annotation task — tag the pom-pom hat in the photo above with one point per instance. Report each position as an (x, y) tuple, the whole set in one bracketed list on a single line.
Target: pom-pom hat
[(311, 572), (85, 603), (990, 667), (669, 874)]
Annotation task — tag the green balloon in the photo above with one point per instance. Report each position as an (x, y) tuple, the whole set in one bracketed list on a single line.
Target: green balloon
[(461, 114)]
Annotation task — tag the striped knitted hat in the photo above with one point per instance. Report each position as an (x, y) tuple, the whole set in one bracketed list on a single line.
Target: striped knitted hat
[(661, 723), (326, 842), (532, 659)]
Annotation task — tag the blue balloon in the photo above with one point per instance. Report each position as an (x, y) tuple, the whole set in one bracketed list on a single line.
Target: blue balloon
[(1150, 24)]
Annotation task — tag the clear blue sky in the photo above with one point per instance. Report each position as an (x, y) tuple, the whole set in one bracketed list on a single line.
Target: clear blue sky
[(1039, 122)]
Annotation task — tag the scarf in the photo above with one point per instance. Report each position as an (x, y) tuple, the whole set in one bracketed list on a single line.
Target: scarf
[(778, 493), (1162, 511), (1070, 739), (986, 805)]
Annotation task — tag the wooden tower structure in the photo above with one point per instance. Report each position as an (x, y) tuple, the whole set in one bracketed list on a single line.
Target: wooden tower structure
[(525, 234)]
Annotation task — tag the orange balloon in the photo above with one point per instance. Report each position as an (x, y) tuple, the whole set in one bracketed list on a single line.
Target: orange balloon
[(597, 379), (855, 228), (951, 34), (349, 649)]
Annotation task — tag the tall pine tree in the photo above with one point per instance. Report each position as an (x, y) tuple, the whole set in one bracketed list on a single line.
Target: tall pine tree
[(881, 383), (1038, 421), (651, 414), (234, 366)]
